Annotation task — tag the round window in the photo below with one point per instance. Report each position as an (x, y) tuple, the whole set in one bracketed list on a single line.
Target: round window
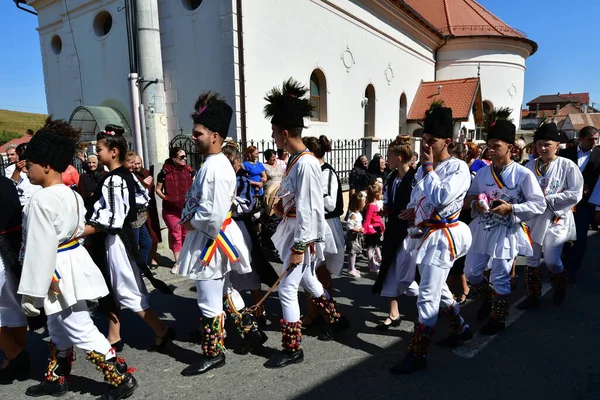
[(191, 4), (56, 44), (102, 23)]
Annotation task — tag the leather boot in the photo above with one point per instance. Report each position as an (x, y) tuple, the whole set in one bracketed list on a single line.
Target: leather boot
[(533, 289), (116, 374), (414, 359), (459, 330), (559, 284), (484, 291), (253, 335), (19, 368), (212, 347), (497, 322), (55, 382), (335, 321), (291, 337)]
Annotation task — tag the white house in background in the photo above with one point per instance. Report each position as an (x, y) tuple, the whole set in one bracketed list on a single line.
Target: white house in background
[(364, 61)]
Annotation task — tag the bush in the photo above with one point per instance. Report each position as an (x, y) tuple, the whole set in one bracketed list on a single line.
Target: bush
[(6, 137)]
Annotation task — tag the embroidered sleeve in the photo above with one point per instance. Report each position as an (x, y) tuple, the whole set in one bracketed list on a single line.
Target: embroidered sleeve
[(442, 193), (571, 194), (330, 189), (112, 208), (308, 191), (534, 203)]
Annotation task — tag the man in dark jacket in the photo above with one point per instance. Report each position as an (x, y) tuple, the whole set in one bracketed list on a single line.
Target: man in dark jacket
[(588, 161)]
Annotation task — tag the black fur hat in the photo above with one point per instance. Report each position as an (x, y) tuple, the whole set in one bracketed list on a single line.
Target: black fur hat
[(547, 132), (53, 145), (502, 130), (438, 122), (286, 106), (213, 112)]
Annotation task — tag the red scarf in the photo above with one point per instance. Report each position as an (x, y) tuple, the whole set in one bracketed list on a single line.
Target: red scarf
[(178, 180)]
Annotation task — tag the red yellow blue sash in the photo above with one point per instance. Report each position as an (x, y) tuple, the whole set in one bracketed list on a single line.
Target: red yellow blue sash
[(497, 177), (443, 224), (527, 232), (222, 242), (538, 167), (70, 245), (294, 159)]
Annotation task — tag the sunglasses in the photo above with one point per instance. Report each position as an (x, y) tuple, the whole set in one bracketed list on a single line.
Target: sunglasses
[(182, 157)]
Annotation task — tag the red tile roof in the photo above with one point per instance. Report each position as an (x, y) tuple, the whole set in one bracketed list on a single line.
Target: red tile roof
[(580, 121), (465, 18), (17, 141), (458, 94), (577, 98)]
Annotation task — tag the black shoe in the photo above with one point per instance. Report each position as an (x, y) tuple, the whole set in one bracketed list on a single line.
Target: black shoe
[(492, 327), (456, 339), (529, 303), (285, 358), (559, 296), (123, 391), (330, 330), (18, 368), (54, 389), (252, 340), (409, 364), (164, 341), (118, 346), (384, 327), (484, 310), (204, 364)]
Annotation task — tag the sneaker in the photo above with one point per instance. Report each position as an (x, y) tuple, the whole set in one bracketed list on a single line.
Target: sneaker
[(354, 273)]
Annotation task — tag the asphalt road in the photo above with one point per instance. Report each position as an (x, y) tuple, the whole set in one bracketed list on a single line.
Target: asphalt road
[(549, 353)]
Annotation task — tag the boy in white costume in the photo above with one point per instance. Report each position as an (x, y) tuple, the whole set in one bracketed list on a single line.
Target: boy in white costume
[(562, 184), (58, 274), (437, 238), (302, 237), (512, 197), (214, 244)]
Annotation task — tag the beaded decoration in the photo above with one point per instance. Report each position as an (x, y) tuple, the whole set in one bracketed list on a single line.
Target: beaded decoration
[(115, 370), (327, 308), (58, 367), (233, 314), (213, 340), (500, 306), (483, 290), (421, 340), (291, 335), (533, 282), (455, 322)]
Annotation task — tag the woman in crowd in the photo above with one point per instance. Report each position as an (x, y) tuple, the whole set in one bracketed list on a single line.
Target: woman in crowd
[(153, 222), (481, 162), (355, 181), (390, 281), (282, 157), (256, 171), (172, 184), (89, 181), (377, 170), (275, 171)]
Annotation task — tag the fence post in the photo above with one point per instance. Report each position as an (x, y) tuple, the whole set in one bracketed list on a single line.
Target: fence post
[(371, 146)]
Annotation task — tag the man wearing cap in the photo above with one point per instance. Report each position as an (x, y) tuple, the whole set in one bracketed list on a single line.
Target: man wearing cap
[(214, 245), (502, 197), (562, 184), (437, 238), (302, 237)]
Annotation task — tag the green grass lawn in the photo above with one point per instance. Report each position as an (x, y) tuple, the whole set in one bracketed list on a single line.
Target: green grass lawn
[(19, 122)]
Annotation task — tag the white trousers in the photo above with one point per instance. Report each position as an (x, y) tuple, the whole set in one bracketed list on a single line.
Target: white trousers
[(74, 327), (11, 315), (433, 293), (128, 285), (475, 265), (211, 293), (288, 290), (551, 257)]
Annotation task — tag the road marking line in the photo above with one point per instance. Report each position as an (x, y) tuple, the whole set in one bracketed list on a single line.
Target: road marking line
[(479, 342)]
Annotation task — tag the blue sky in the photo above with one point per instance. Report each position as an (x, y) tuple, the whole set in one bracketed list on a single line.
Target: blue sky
[(567, 59)]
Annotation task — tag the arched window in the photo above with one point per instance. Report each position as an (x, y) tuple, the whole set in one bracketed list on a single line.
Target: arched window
[(403, 110), (369, 106), (318, 95)]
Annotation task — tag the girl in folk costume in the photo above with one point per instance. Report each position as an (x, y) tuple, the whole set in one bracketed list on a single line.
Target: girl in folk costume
[(373, 226), (115, 249), (562, 184), (334, 208), (58, 273), (13, 324), (502, 197), (214, 245), (396, 276), (437, 237), (302, 237), (354, 231)]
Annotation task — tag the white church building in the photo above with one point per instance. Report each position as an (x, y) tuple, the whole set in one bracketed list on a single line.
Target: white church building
[(372, 66)]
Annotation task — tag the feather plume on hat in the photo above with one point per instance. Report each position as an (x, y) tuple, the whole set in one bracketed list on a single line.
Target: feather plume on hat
[(286, 106)]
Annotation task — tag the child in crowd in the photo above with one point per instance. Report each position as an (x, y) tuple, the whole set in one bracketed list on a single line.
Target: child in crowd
[(373, 226), (354, 233)]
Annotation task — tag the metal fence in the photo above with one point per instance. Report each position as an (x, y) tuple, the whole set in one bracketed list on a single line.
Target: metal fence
[(383, 146), (342, 156)]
